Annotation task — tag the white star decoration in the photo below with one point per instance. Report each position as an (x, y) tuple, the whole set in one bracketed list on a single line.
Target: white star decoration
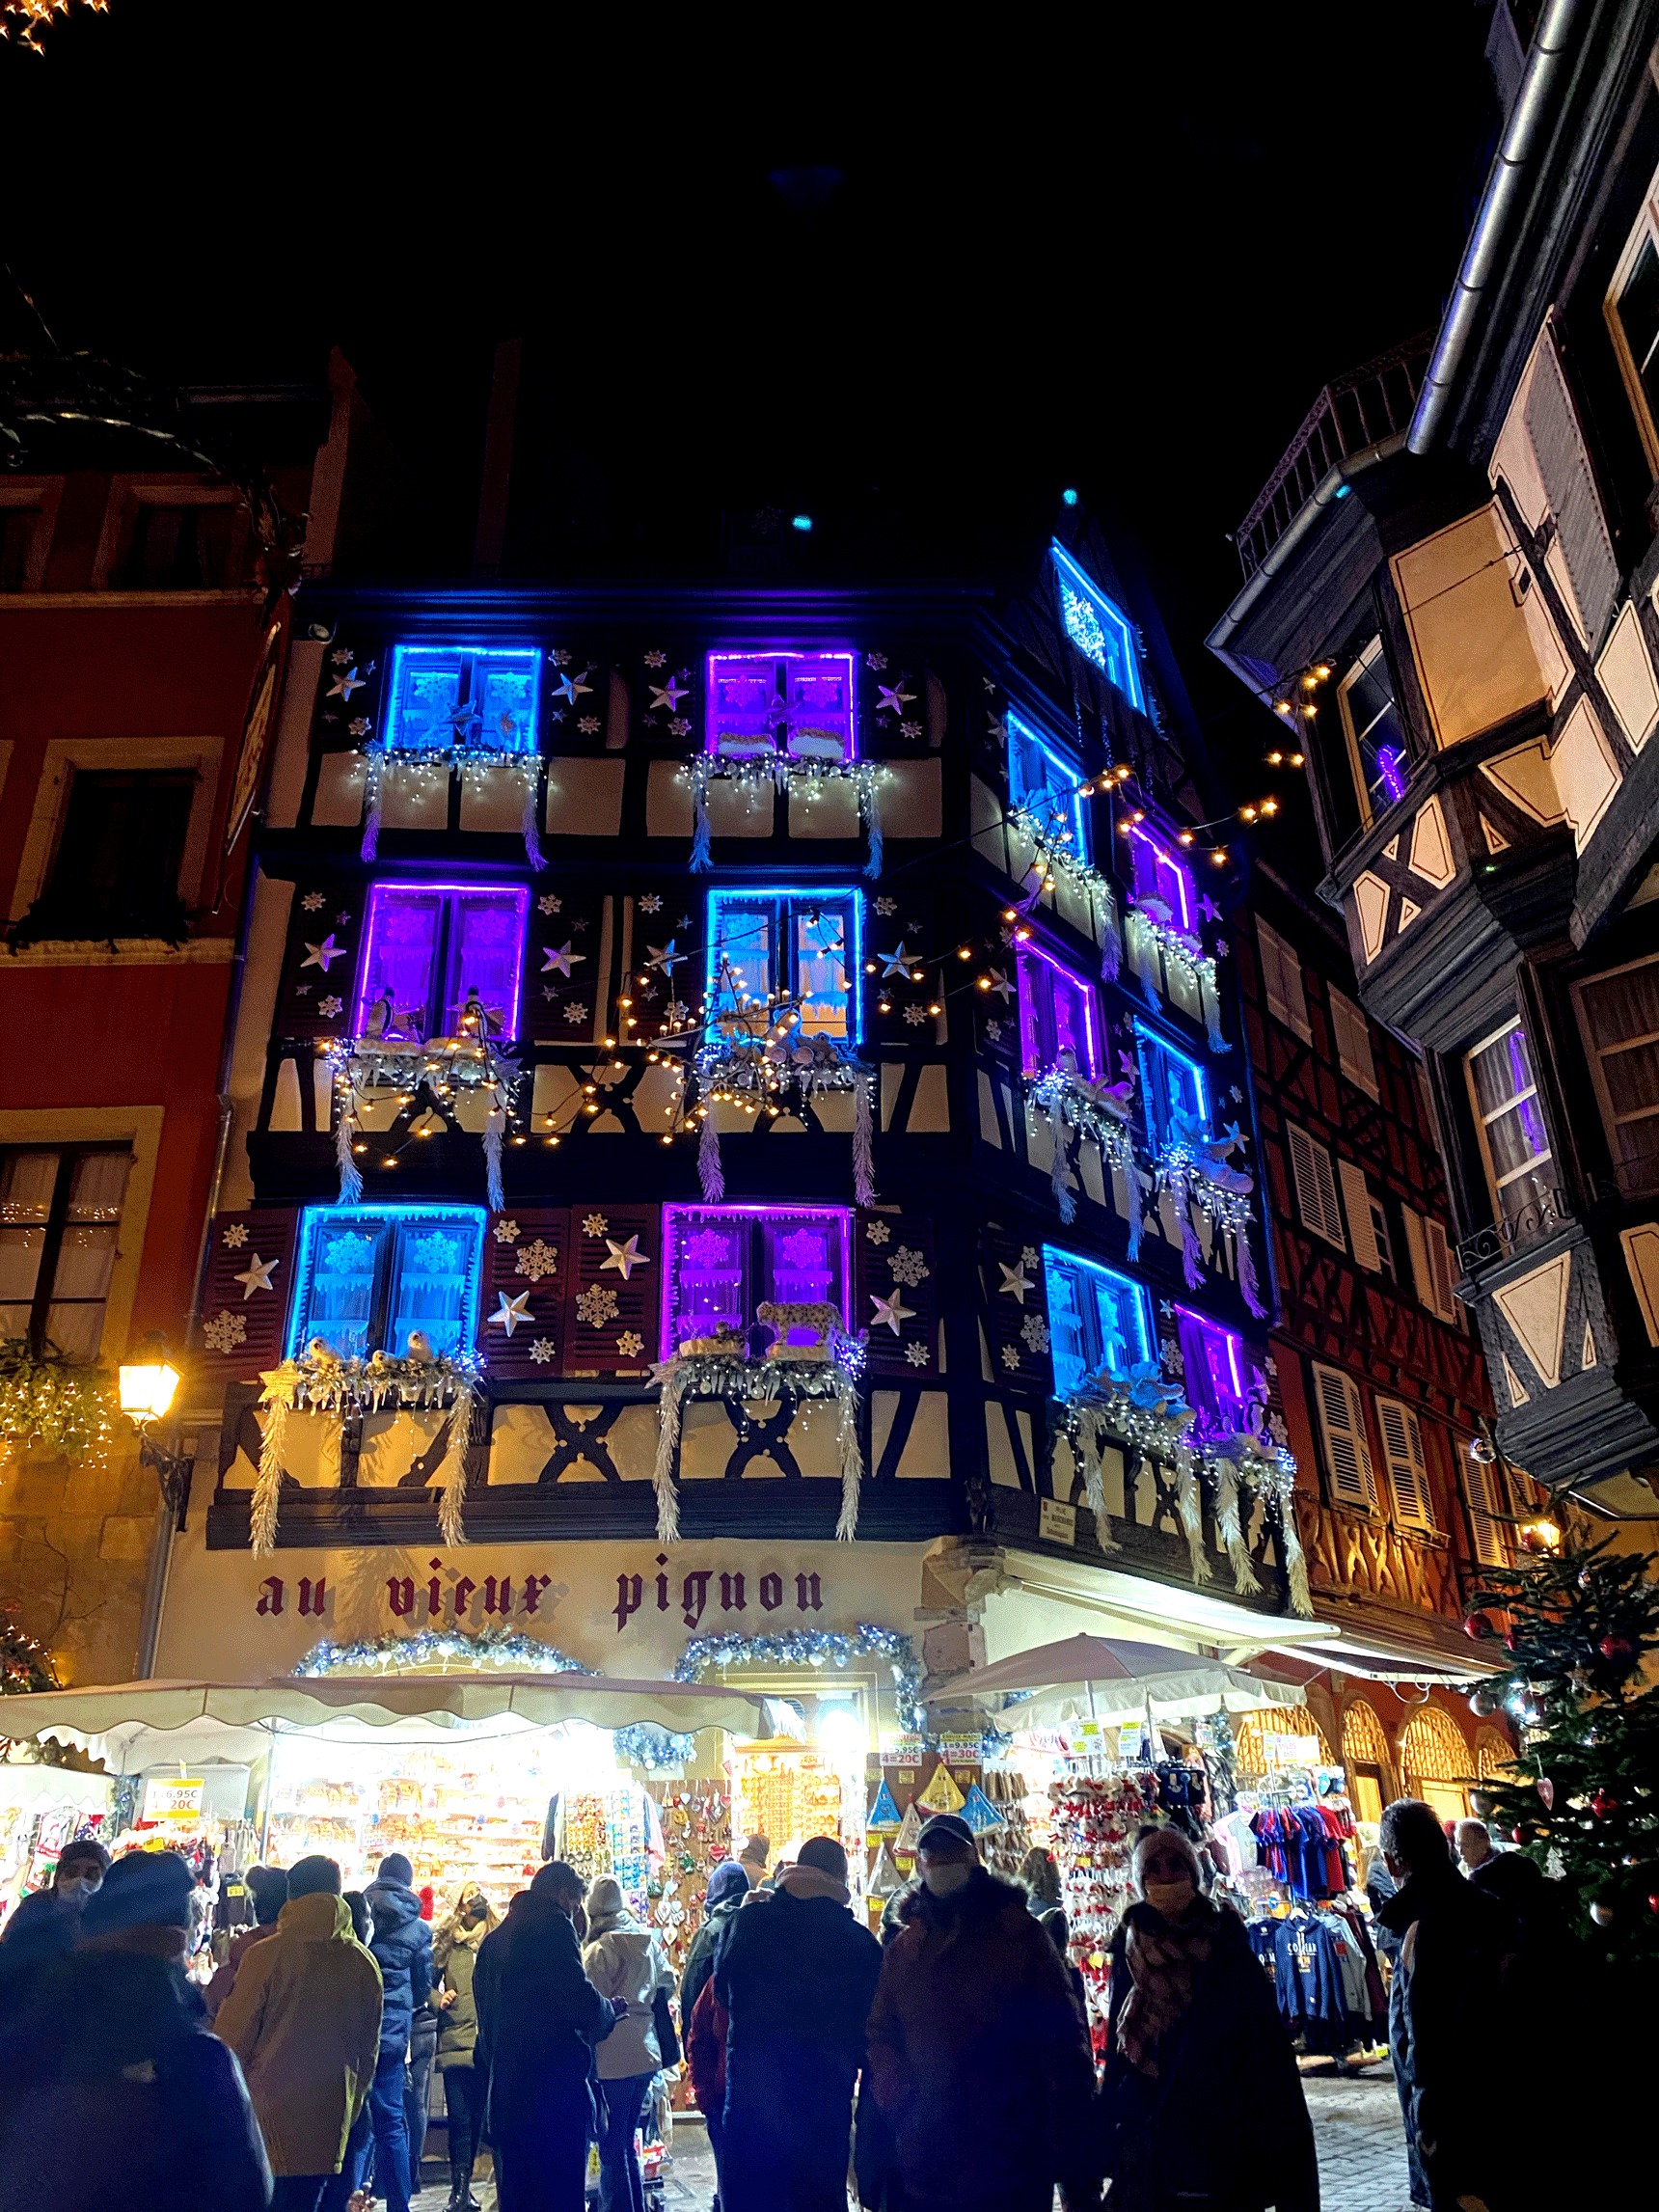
[(665, 957), (1016, 1282), (668, 694), (344, 684), (511, 1311), (256, 1277), (894, 701), (624, 1258), (891, 1311), (569, 687), (1000, 985), (321, 955), (898, 962), (559, 959)]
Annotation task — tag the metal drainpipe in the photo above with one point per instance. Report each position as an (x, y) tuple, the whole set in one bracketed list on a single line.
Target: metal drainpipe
[(1508, 172)]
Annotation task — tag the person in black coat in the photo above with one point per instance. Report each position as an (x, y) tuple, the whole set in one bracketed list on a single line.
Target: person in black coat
[(402, 1950), (728, 1894), (1201, 2096), (796, 1974), (539, 2020), (43, 1928)]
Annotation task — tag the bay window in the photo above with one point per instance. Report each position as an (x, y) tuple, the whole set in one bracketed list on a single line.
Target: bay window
[(369, 1277), (720, 1263), (1098, 626), (1370, 724)]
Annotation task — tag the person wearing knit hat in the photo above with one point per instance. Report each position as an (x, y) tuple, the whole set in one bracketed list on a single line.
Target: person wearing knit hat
[(624, 1960), (796, 1975), (727, 1893), (143, 1904), (402, 1950)]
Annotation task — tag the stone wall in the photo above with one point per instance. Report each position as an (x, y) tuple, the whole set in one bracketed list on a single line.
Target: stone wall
[(74, 1551)]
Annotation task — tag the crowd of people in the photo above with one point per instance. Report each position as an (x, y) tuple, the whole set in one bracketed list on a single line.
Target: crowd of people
[(948, 2066)]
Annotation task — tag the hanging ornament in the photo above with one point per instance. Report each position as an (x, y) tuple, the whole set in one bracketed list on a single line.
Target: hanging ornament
[(1519, 1835), (1479, 1626), (1601, 1804), (1602, 1915), (1653, 1901), (1481, 1702), (1618, 1650), (1546, 1790)]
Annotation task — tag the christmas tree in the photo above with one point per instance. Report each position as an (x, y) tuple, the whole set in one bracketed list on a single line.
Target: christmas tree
[(24, 1663), (1582, 1796)]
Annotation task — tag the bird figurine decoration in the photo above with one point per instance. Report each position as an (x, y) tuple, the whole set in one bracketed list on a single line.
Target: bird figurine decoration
[(378, 1021), (420, 1346)]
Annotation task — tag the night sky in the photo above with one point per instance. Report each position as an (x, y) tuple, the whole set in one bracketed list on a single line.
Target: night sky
[(911, 282)]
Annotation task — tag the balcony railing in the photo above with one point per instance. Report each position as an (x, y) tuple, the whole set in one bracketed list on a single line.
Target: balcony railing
[(1351, 413), (1514, 1230)]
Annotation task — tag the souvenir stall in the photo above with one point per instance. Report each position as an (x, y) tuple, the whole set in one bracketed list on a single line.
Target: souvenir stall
[(41, 1809)]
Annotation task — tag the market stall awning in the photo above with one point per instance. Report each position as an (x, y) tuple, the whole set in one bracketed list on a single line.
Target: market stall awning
[(444, 1700), (1110, 1679)]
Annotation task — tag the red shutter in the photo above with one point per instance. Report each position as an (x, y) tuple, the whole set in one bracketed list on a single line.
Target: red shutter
[(320, 964), (243, 1322), (611, 1317), (1017, 1323), (526, 1255), (895, 1252)]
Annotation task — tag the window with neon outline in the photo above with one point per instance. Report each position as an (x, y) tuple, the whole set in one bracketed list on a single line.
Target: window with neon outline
[(1173, 1088), (719, 1263), (1099, 629), (369, 1277), (431, 950), (1044, 778), (483, 696), (782, 700), (795, 944), (1059, 1012), (1217, 1376), (1161, 874), (1097, 1318)]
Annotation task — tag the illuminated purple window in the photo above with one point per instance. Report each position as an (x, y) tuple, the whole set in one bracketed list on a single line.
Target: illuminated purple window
[(1213, 1360), (432, 950), (721, 1262), (1159, 874), (1057, 1014), (799, 704)]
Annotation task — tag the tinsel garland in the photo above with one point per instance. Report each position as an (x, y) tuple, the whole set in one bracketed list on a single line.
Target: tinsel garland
[(644, 1744), (815, 1647), (1182, 1167), (1182, 950), (1054, 860), (863, 1147), (55, 1404), (1086, 1430), (770, 1071), (493, 1128), (1141, 1409), (471, 1648), (711, 1173), (1189, 1503), (785, 774), (442, 1067), (1229, 1527), (350, 1174), (430, 767), (320, 1382), (1270, 1472), (1071, 1103)]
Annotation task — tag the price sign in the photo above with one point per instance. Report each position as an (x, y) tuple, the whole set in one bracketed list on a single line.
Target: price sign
[(179, 1800)]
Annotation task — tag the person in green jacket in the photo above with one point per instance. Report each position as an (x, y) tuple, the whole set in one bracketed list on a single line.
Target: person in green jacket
[(454, 1956)]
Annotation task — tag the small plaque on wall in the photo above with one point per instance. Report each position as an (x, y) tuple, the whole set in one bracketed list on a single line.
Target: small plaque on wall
[(1057, 1523)]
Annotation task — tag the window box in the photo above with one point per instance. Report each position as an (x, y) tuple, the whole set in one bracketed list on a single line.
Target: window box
[(456, 708)]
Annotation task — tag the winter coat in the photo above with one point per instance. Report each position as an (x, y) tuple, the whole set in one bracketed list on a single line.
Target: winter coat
[(304, 2017), (977, 2059), (796, 1972), (700, 1957), (224, 1981), (42, 1930), (1224, 2116), (113, 2093), (456, 1957), (539, 2016), (403, 1949), (706, 2051), (626, 1960)]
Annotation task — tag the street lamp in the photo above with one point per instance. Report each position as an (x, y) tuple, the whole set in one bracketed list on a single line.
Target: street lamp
[(148, 1389)]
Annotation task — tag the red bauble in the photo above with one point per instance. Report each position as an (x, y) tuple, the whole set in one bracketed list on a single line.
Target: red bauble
[(1601, 1805), (1653, 1901), (1477, 1626), (1546, 1790), (1519, 1835), (1618, 1650)]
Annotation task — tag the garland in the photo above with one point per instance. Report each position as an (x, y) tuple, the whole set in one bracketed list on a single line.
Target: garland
[(785, 774), (644, 1744), (24, 1664), (1144, 1409), (1150, 923), (442, 1067), (815, 1647), (429, 1647), (1056, 860), (1100, 1118), (57, 1404), (429, 768), (831, 1370), (1269, 1471), (321, 1382), (1191, 1166), (773, 1073)]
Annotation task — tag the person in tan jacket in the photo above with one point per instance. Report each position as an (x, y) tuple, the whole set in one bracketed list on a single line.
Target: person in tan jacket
[(303, 2015)]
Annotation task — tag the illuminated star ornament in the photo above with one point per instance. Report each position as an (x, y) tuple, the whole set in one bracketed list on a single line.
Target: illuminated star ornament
[(1016, 1282), (898, 963), (894, 701), (511, 1311), (665, 957), (891, 1311), (668, 694), (569, 688), (559, 959), (256, 1277), (344, 684), (624, 1258), (324, 954), (1000, 984)]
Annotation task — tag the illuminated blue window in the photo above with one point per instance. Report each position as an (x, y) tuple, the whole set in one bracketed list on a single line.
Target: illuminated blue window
[(1097, 1318), (369, 1275), (1098, 628), (802, 945), (1173, 1088), (1045, 779), (483, 695)]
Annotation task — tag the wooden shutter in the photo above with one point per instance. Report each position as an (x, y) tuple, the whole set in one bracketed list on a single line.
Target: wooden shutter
[(1570, 485), (328, 931), (611, 1321), (1316, 1186), (1408, 1469), (1440, 1268), (895, 1252), (568, 928), (1016, 1328), (1282, 981), (526, 1255), (244, 1323), (1353, 1042), (1484, 1490), (1347, 1450), (1356, 1202)]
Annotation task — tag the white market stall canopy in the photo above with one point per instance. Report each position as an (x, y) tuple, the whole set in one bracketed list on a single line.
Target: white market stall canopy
[(1109, 1679), (382, 1701)]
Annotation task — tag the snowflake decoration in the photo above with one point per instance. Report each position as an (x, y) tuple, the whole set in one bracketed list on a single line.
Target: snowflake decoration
[(224, 1331), (313, 902), (1035, 1330), (594, 1225), (877, 1231), (1277, 1429), (679, 727), (887, 906), (656, 660), (876, 661), (916, 1354), (629, 1344), (505, 1232), (675, 1013), (1028, 1256), (651, 903), (563, 659), (328, 1008), (909, 1268), (1010, 1357), (588, 725), (542, 1350), (575, 1011), (536, 1260), (915, 1016), (993, 1032), (236, 1236), (909, 730), (800, 1248), (549, 904), (707, 1248), (597, 1305), (343, 658), (361, 727)]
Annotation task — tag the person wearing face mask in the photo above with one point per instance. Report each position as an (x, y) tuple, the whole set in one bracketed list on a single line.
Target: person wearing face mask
[(45, 1926), (1202, 2105), (979, 2060), (454, 1959)]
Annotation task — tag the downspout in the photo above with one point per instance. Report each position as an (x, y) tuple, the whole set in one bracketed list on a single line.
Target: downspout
[(1508, 175)]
